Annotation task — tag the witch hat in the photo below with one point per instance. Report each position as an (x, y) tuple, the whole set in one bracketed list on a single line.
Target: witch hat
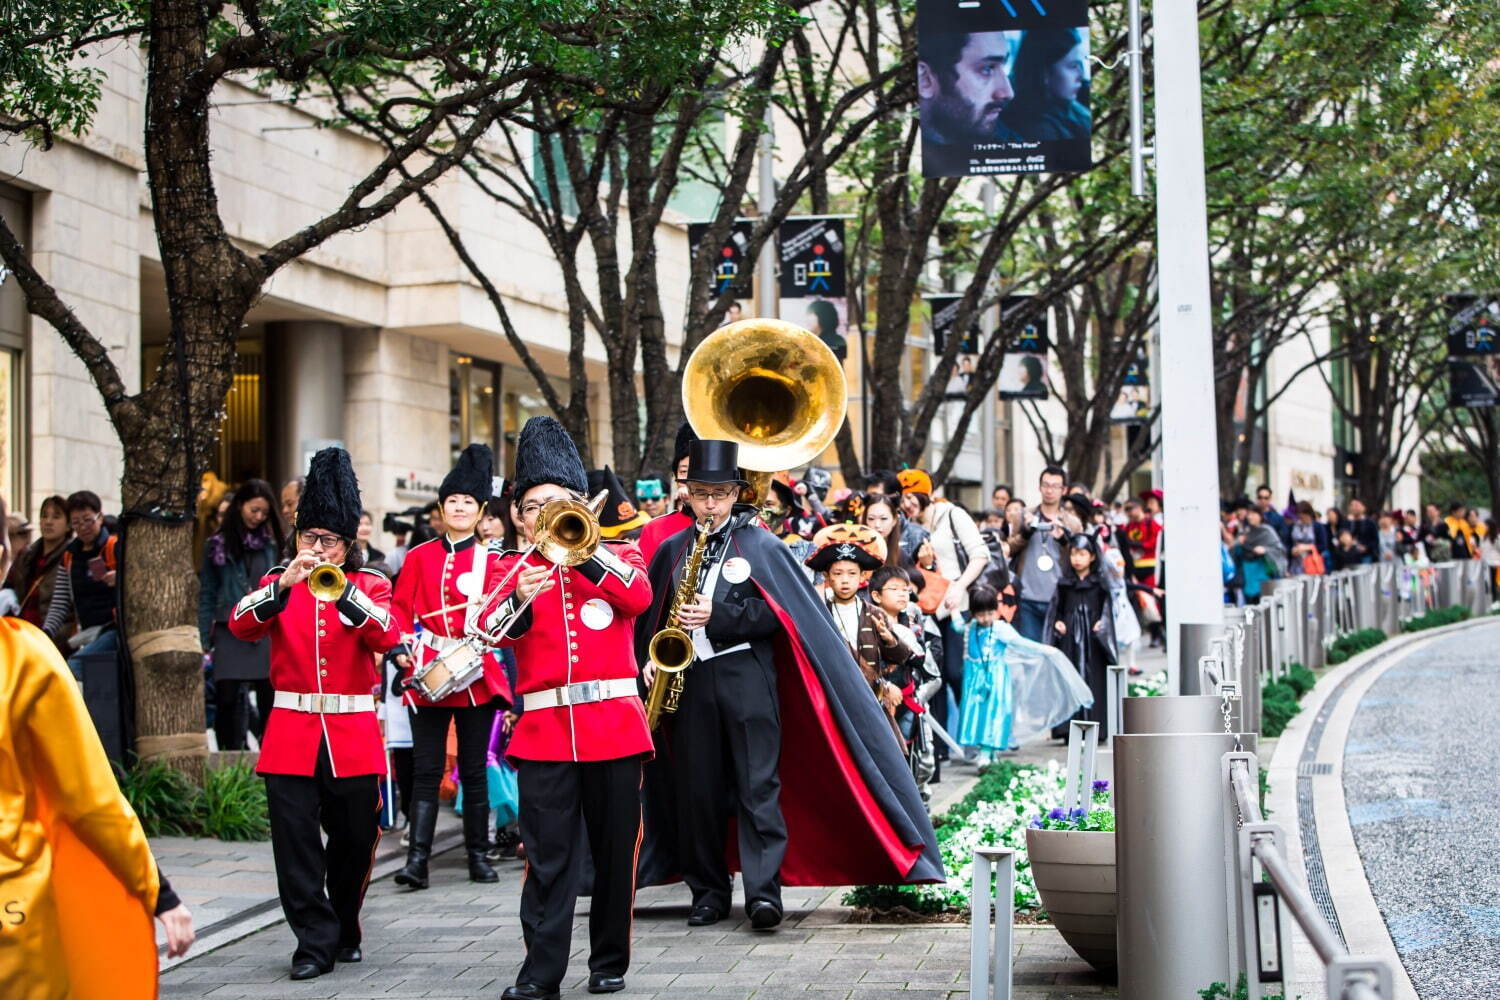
[(473, 475), (330, 495), (619, 515)]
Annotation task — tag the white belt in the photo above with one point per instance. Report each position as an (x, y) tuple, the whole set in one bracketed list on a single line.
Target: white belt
[(582, 693), (441, 643), (327, 704)]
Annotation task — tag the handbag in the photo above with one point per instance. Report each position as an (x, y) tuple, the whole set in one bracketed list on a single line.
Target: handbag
[(1150, 610), (934, 586), (996, 572), (1312, 564)]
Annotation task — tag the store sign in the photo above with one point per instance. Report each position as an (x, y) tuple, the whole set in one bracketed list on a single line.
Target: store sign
[(1304, 480), (812, 278), (418, 485), (1473, 350)]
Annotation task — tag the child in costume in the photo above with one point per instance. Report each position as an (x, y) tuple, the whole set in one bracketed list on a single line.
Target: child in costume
[(986, 711), (1081, 623)]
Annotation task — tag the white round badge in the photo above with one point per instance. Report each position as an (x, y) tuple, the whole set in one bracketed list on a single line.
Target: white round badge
[(596, 613), (469, 584), (1044, 563), (736, 570)]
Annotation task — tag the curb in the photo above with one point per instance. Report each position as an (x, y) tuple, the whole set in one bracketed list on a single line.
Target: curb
[(267, 913), (1311, 750)]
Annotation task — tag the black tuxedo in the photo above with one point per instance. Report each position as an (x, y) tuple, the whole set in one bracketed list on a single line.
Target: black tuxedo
[(726, 734)]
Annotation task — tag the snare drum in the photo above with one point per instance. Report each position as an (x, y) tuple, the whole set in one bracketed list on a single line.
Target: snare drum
[(449, 670)]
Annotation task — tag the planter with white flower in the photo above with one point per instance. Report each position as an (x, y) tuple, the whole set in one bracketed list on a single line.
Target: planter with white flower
[(1072, 855)]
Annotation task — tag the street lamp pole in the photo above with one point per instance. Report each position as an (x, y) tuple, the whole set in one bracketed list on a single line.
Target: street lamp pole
[(1189, 448), (767, 305), (988, 418)]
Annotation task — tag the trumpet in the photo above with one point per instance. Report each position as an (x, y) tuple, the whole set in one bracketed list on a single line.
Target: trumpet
[(567, 533), (327, 582)]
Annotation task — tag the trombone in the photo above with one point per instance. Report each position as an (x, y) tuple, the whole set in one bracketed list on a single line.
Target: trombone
[(567, 533)]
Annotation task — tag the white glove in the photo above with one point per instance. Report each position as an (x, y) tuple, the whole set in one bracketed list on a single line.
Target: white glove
[(10, 605)]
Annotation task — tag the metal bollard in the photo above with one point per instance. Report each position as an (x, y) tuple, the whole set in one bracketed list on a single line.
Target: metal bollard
[(1314, 652), (1116, 684), (992, 896), (1169, 858), (1448, 592), (1196, 641)]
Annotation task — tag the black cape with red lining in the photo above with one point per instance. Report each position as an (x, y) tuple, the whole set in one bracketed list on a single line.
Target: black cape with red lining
[(852, 810)]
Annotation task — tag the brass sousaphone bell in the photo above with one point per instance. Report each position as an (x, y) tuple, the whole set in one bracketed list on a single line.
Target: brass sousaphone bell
[(771, 387)]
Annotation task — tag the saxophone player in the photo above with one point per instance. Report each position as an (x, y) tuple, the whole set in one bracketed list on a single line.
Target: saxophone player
[(580, 742)]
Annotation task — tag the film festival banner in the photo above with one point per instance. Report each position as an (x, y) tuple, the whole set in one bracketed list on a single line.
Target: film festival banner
[(1003, 86), (944, 313), (728, 270), (1133, 404), (812, 278), (1023, 370), (1473, 350)]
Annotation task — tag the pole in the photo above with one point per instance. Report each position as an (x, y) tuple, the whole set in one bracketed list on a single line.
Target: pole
[(1190, 467), (987, 415), (1138, 150), (766, 300)]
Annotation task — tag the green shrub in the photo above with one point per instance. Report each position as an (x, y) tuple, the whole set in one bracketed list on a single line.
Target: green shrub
[(1301, 679), (1436, 618), (232, 805), (1220, 991), (1354, 643), (161, 797), (1278, 704)]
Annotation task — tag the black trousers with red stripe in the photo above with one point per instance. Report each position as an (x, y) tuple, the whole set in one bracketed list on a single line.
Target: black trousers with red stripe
[(604, 797), (302, 810)]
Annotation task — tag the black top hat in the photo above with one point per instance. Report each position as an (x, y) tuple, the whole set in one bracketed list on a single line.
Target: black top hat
[(619, 514), (330, 495), (685, 436), (714, 462), (546, 454), (473, 475)]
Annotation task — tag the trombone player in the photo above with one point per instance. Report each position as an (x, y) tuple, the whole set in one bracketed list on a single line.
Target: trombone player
[(580, 742), (322, 753)]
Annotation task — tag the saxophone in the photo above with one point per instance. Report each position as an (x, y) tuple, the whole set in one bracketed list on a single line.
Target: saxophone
[(671, 649)]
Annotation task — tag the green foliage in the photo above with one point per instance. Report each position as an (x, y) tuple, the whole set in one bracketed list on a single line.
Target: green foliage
[(1221, 991), (1436, 618), (231, 805), (1278, 704), (1354, 643), (162, 798), (1452, 475), (1301, 679)]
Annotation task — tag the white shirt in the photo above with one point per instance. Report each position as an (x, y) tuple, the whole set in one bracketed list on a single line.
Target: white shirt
[(701, 644)]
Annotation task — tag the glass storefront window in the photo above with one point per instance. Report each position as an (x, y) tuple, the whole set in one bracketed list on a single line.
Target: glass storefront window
[(473, 404)]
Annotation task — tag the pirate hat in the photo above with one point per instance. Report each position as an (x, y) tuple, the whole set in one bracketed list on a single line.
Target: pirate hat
[(330, 495), (619, 515), (546, 454), (856, 543), (473, 475)]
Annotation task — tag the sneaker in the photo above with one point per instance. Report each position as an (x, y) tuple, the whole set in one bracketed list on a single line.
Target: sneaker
[(406, 837)]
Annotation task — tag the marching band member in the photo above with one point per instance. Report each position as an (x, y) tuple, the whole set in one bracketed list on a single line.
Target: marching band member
[(580, 741), (680, 518), (322, 754), (772, 683), (437, 600)]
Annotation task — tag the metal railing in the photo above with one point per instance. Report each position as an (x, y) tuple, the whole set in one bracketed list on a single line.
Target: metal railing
[(1264, 889)]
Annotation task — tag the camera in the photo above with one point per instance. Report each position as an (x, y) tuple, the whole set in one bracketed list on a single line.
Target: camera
[(392, 526)]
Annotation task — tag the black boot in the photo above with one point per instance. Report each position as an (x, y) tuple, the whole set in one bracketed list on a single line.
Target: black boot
[(423, 820), (477, 841)]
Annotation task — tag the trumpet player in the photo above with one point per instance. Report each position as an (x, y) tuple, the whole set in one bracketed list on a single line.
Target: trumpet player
[(437, 602), (328, 620), (580, 742)]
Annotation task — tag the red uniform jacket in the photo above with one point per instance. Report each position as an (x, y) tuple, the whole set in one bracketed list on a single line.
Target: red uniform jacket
[(321, 647), (439, 574), (581, 630), (659, 529)]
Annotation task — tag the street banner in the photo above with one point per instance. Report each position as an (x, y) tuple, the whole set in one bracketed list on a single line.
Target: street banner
[(727, 268), (1473, 350), (1023, 370), (1133, 402), (1003, 86), (812, 280), (944, 313)]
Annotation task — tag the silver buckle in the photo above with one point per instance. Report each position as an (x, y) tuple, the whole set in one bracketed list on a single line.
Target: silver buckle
[(583, 692)]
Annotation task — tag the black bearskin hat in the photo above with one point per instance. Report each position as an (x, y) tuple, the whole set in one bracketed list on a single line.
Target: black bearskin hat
[(546, 454), (330, 496), (474, 475), (685, 437), (619, 515)]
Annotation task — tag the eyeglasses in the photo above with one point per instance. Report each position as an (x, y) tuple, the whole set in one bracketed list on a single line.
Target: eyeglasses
[(713, 494), (82, 522), (894, 589), (534, 508), (319, 540)]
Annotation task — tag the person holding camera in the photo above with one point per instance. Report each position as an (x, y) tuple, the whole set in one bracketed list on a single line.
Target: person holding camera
[(1041, 563)]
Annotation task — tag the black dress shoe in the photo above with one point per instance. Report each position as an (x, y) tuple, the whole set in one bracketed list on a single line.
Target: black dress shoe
[(529, 991), (309, 970), (702, 916), (351, 955), (764, 915), (600, 983)]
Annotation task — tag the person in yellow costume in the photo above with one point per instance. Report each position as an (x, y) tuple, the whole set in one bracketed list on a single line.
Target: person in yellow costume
[(78, 885)]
